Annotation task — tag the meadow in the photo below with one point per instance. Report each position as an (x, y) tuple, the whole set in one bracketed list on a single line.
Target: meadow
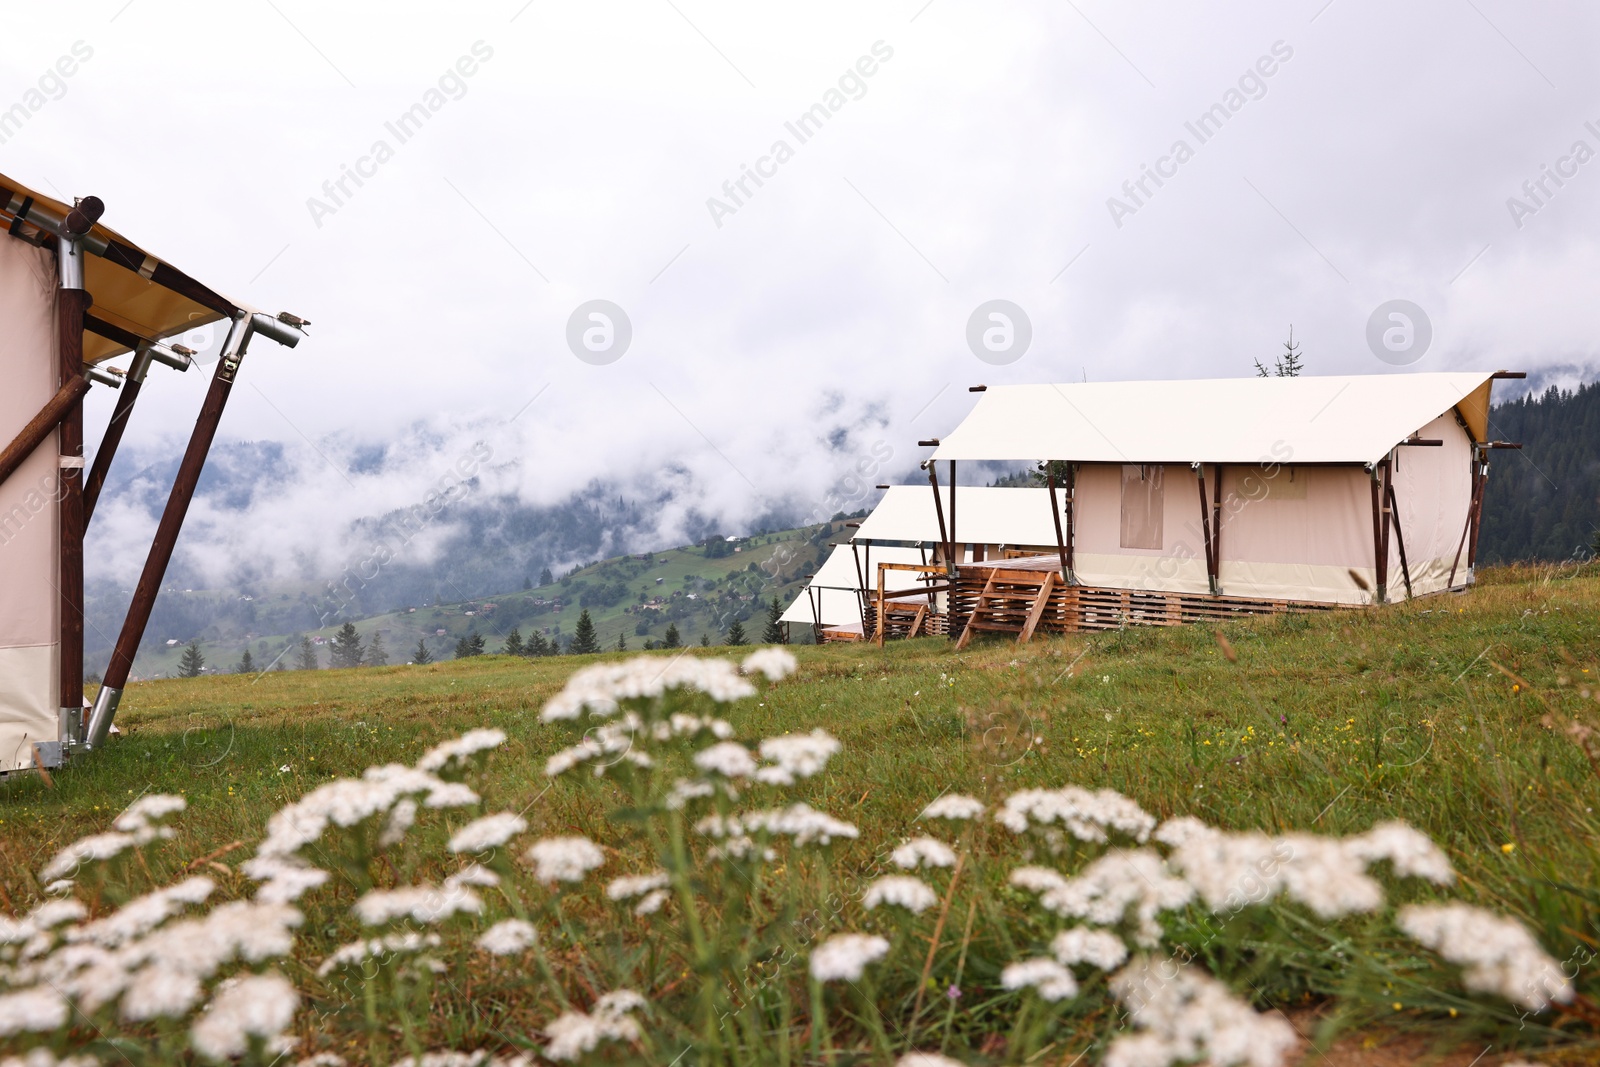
[(1465, 716)]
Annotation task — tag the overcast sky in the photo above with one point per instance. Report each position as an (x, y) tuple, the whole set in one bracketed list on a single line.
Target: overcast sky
[(1357, 152)]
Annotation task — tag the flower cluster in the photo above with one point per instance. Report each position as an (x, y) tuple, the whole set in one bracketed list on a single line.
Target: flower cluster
[(575, 1033), (1498, 955)]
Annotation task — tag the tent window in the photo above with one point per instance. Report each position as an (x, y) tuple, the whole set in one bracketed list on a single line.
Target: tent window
[(1142, 505)]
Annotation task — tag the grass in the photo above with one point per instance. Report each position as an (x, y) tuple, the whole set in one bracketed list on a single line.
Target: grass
[(1445, 713)]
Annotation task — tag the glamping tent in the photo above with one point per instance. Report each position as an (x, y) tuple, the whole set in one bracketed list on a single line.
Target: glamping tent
[(1187, 500), (835, 602), (73, 295)]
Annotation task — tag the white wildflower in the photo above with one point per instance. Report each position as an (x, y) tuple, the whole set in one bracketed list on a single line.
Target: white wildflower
[(1328, 878), (1097, 948), (456, 752), (1085, 815), (160, 993), (147, 809), (683, 791), (1497, 954), (142, 914), (568, 758), (774, 662), (651, 902), (902, 891), (727, 758), (601, 687), (53, 913), (397, 944), (37, 1010), (926, 1059), (1411, 852), (619, 1002), (634, 885), (1037, 879), (953, 806), (451, 795), (1106, 890), (803, 823), (59, 886), (843, 957), (286, 880), (401, 818), (1183, 1014), (95, 848), (491, 831), (472, 874), (1048, 978), (576, 1033), (508, 937), (260, 1006), (923, 851), (795, 756), (423, 903), (1233, 870), (564, 859)]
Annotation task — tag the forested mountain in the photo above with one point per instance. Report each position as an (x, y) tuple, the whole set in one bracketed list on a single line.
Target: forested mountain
[(1544, 501)]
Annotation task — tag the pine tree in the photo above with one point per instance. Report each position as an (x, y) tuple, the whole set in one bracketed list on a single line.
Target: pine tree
[(476, 643), (583, 640), (527, 583), (670, 639), (422, 655), (736, 634), (346, 651), (546, 578), (705, 639), (773, 634), (1287, 365), (193, 662), (247, 664), (514, 646), (463, 648), (377, 655), (622, 642), (307, 658), (277, 664), (536, 645)]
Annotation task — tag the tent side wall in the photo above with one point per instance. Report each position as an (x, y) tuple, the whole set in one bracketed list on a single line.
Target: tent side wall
[(1433, 491), (29, 539)]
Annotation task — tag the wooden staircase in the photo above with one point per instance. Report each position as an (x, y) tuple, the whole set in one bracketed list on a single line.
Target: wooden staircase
[(1012, 602)]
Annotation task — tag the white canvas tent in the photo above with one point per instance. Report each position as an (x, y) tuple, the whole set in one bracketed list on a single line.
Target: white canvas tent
[(832, 597), (74, 294), (1274, 488), (992, 520)]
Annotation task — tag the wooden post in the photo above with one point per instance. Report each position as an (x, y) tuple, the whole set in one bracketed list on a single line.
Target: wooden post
[(71, 305), (131, 384), (954, 544), (1072, 515), (1055, 514), (1399, 536), (41, 426), (166, 538), (1466, 527), (1477, 510), (1216, 532), (881, 627), (938, 509), (1205, 526)]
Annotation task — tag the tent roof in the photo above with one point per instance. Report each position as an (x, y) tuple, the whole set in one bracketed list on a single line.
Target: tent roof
[(132, 289), (984, 515), (1354, 419), (837, 583)]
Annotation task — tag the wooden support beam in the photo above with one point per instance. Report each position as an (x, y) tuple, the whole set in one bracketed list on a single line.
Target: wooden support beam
[(955, 543), (919, 621), (42, 425), (1072, 515), (1055, 514), (71, 305), (938, 509), (1399, 537), (126, 396), (1205, 527), (977, 607), (1040, 603), (1477, 511), (1216, 532)]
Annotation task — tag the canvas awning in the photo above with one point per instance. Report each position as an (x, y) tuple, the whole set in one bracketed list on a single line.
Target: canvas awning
[(985, 515), (133, 290), (1355, 419), (836, 587)]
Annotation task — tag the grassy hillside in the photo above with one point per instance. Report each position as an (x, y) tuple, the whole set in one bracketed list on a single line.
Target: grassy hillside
[(1447, 713), (702, 595)]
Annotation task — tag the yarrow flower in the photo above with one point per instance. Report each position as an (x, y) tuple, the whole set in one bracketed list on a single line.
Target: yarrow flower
[(491, 831), (795, 756), (634, 885), (1085, 815), (509, 937), (774, 662), (923, 851), (1183, 1014), (727, 758), (1497, 955), (902, 891), (423, 903), (39, 1010), (564, 859), (260, 1006), (152, 807), (926, 1059), (1048, 978), (456, 752), (286, 879), (601, 687), (844, 957), (1094, 947), (953, 806), (1111, 887), (576, 1033), (398, 944)]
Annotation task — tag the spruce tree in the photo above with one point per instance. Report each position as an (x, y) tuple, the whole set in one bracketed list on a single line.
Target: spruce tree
[(475, 643), (193, 662), (527, 583), (545, 577), (247, 664), (583, 640), (514, 645), (463, 648), (705, 639), (736, 634), (346, 651), (773, 633), (377, 655), (306, 660), (622, 642), (670, 639), (536, 645), (422, 655)]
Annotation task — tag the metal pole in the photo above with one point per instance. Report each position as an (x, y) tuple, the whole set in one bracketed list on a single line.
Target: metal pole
[(166, 539)]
